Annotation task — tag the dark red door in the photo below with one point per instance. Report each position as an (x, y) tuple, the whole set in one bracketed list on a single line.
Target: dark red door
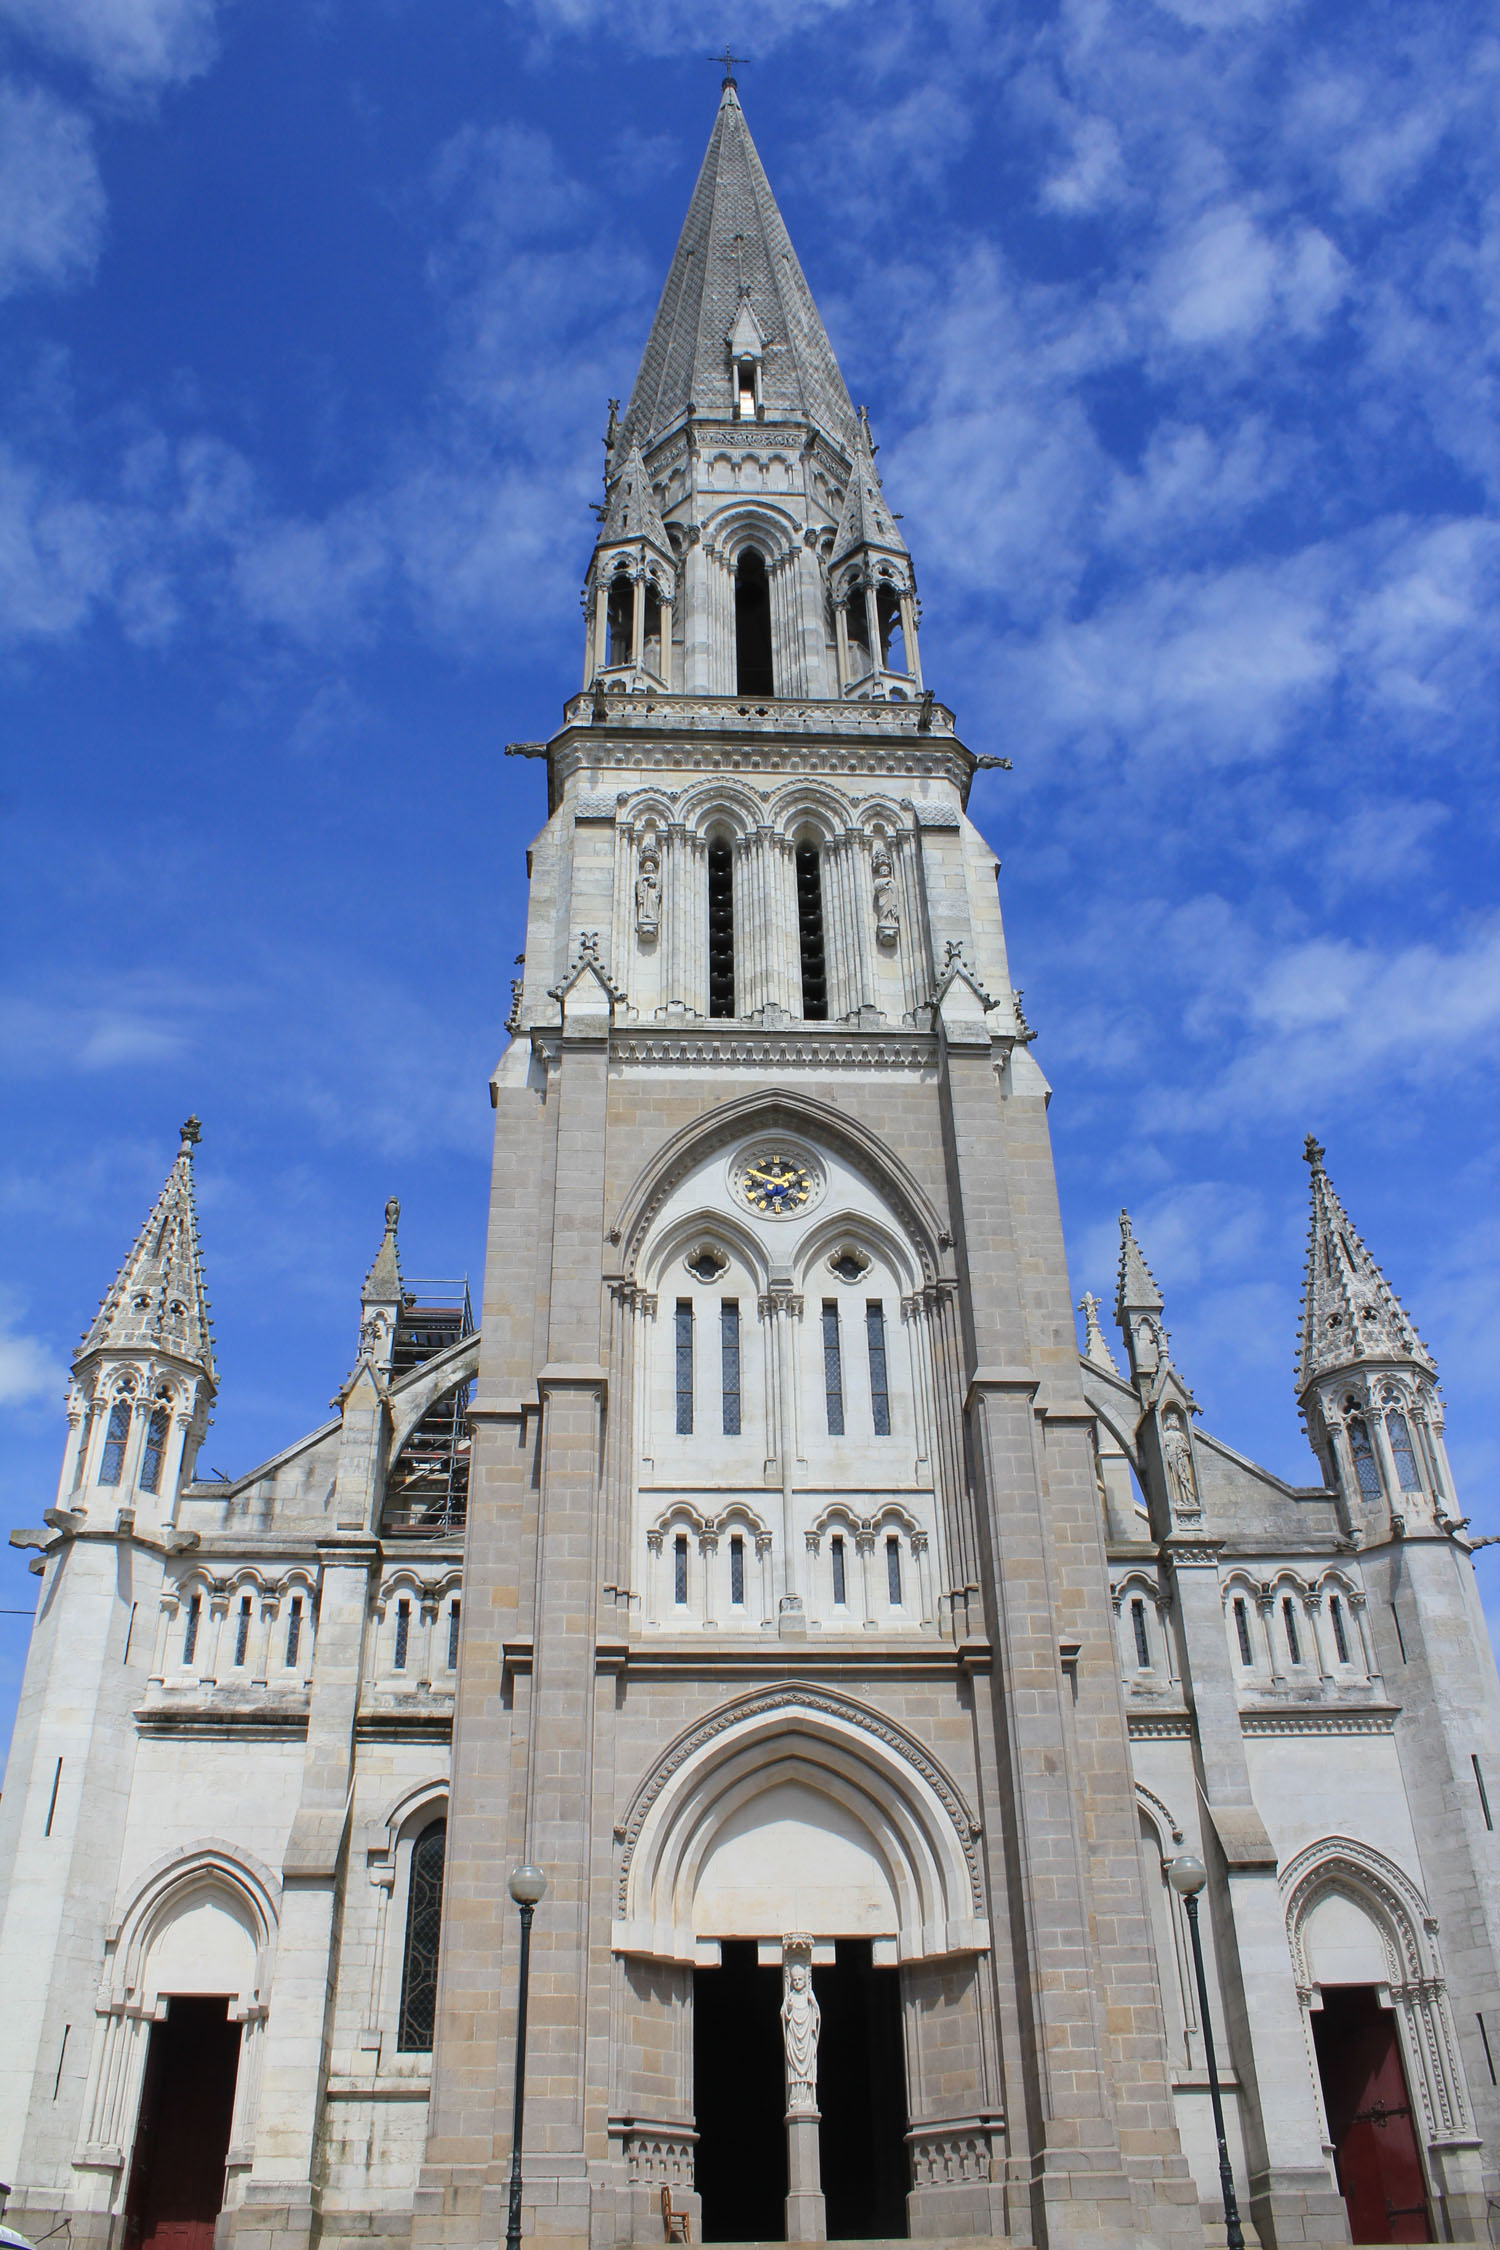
[(1369, 2117), (181, 2143)]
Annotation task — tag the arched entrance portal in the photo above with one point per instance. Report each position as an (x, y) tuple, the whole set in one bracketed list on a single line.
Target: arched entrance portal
[(795, 1849)]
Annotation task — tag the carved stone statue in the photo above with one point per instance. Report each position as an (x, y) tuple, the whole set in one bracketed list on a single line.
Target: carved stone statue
[(801, 2021), (648, 894), (1182, 1485), (887, 917)]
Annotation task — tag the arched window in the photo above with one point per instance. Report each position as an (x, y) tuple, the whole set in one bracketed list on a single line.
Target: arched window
[(752, 626), (892, 638), (651, 638), (424, 1915), (810, 932), (620, 616), (116, 1438), (155, 1448), (1365, 1466), (720, 929), (856, 622), (1397, 1431)]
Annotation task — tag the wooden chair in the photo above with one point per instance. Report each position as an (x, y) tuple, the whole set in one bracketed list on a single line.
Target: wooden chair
[(678, 2224)]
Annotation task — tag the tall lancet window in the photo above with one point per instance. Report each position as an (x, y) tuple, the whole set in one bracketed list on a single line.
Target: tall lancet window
[(752, 626), (1399, 1433), (1365, 1466), (810, 931), (155, 1447), (892, 639), (651, 632), (720, 930), (115, 1439), (620, 619), (424, 1916)]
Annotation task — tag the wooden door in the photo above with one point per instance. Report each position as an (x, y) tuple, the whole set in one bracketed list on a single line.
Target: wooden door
[(187, 2108), (1369, 2117)]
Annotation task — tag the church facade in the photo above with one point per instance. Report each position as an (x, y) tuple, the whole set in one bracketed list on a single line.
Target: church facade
[(769, 1562)]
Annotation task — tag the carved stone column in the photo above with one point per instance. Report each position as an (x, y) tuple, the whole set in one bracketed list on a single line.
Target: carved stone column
[(801, 2021)]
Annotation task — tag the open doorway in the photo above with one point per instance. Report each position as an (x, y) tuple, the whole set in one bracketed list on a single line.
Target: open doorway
[(1369, 2117), (739, 2097), (862, 2094), (182, 2140)]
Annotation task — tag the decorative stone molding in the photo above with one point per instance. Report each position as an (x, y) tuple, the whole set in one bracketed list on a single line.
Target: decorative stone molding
[(958, 2152), (655, 2155), (830, 1050), (869, 1739)]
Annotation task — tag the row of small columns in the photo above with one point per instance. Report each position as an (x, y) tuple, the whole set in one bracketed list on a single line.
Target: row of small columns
[(866, 589)]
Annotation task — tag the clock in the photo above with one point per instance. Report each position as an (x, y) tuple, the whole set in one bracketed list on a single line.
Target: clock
[(778, 1183)]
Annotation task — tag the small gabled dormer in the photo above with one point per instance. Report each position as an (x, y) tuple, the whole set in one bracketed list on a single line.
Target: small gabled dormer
[(747, 352)]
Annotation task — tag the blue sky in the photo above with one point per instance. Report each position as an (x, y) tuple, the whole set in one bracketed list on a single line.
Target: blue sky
[(1176, 321)]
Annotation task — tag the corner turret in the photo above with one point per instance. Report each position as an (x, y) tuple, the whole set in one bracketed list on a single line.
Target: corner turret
[(144, 1380), (1366, 1383)]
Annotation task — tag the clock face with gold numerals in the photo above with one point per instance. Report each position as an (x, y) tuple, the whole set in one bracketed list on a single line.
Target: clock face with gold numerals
[(776, 1182)]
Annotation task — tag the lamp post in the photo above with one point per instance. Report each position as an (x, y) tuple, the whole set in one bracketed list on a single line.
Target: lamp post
[(528, 1887), (1187, 1876)]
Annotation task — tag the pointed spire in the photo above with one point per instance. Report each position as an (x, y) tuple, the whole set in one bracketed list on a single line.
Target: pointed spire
[(734, 251), (158, 1302), (383, 1283), (631, 511), (866, 520), (1137, 1291), (1095, 1346), (1350, 1313)]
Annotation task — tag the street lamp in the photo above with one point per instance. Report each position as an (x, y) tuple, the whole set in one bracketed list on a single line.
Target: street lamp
[(528, 1887), (1187, 1876)]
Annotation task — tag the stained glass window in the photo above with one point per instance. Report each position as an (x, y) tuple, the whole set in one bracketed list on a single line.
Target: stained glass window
[(893, 1569), (424, 1916), (1365, 1466), (836, 1549), (1401, 1452), (737, 1571), (114, 1442), (1242, 1627), (1340, 1639), (880, 1397), (155, 1447), (833, 1369), (293, 1630), (1142, 1645), (684, 1367), (729, 1360)]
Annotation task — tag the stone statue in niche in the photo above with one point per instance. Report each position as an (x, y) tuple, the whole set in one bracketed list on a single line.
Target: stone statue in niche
[(887, 917), (1177, 1453), (648, 893), (801, 2021)]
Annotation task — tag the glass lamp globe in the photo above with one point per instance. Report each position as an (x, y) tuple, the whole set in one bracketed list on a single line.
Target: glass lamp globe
[(1187, 1874), (528, 1885)]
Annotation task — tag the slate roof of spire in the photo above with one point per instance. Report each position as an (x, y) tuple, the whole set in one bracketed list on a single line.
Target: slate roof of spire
[(631, 511), (1350, 1313), (687, 353), (158, 1302), (866, 520)]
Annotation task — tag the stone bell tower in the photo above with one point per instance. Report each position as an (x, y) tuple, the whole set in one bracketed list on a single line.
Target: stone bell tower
[(787, 1638)]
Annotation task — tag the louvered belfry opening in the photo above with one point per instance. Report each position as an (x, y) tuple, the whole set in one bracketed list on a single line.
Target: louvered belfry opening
[(752, 625), (720, 930), (810, 929)]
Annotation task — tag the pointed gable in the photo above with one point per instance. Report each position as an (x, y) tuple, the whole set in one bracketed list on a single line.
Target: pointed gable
[(158, 1301), (1350, 1313), (1136, 1291), (866, 520), (734, 251)]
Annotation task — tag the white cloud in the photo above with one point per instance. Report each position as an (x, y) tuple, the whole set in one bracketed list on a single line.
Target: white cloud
[(1226, 278), (1094, 173), (129, 46), (51, 196), (29, 1370)]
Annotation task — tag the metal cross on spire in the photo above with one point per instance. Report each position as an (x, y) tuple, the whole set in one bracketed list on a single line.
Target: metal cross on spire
[(729, 59)]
